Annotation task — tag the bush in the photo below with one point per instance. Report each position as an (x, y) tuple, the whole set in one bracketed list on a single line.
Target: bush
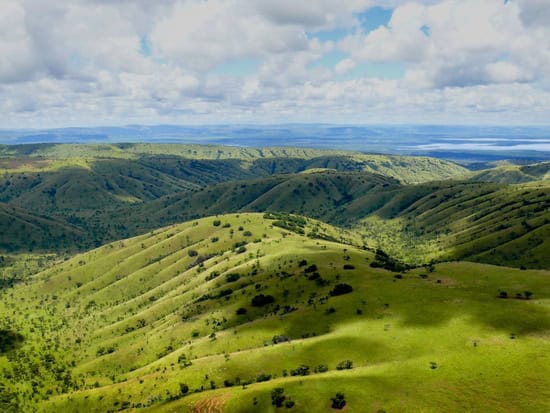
[(263, 377), (241, 311), (340, 289), (503, 294), (278, 397), (184, 388), (303, 370), (321, 368), (261, 300), (232, 277), (338, 401), (217, 223), (311, 268), (225, 293), (349, 267), (192, 253), (344, 365)]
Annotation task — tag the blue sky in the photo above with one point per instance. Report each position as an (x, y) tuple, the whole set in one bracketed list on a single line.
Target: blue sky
[(271, 61)]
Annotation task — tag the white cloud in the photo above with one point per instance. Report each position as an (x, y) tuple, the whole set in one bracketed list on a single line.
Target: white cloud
[(344, 66), (84, 61)]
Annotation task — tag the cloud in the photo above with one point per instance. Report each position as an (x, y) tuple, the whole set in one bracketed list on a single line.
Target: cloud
[(83, 61), (457, 43), (344, 66)]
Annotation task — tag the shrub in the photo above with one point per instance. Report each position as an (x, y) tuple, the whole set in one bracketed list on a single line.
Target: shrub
[(279, 339), (263, 377), (340, 289), (311, 268), (344, 365), (528, 294), (217, 223), (503, 294), (184, 388), (212, 275), (338, 401), (240, 250), (302, 370), (278, 397), (260, 300), (321, 368), (349, 267), (192, 253), (214, 239), (241, 311), (247, 234), (232, 277), (226, 292)]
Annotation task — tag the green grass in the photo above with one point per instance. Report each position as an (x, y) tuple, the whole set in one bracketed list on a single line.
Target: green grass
[(151, 301)]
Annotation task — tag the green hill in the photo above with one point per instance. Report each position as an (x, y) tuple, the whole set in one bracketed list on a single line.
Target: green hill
[(514, 174), (217, 314), (24, 231), (254, 161), (497, 224)]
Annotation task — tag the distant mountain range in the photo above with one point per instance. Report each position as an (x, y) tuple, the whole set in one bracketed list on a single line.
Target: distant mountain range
[(465, 144)]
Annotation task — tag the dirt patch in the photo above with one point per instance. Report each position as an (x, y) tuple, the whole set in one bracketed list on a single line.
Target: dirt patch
[(213, 405)]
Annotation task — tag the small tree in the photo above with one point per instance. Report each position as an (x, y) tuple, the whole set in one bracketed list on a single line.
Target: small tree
[(528, 294), (338, 401), (344, 365), (340, 289), (184, 388), (278, 397)]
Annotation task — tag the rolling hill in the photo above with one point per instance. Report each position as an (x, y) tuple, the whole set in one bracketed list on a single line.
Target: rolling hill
[(245, 312), (24, 230), (448, 220), (514, 174)]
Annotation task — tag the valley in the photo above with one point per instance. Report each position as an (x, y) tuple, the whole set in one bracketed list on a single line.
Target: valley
[(170, 278)]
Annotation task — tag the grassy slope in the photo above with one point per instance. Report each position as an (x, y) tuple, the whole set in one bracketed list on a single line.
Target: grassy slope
[(24, 230), (142, 298), (488, 223), (323, 195), (492, 223), (514, 174), (260, 161)]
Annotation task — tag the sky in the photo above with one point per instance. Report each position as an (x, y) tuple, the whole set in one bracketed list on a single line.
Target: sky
[(117, 62)]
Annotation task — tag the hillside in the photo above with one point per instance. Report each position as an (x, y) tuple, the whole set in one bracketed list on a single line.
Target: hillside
[(257, 161), (497, 224), (514, 174), (220, 312), (491, 223), (23, 230)]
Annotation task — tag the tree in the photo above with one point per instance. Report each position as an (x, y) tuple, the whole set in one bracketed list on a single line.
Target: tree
[(340, 289), (338, 401), (344, 365), (184, 388), (261, 300), (278, 397)]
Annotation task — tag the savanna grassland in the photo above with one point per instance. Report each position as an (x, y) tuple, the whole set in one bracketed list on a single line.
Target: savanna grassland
[(186, 278)]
